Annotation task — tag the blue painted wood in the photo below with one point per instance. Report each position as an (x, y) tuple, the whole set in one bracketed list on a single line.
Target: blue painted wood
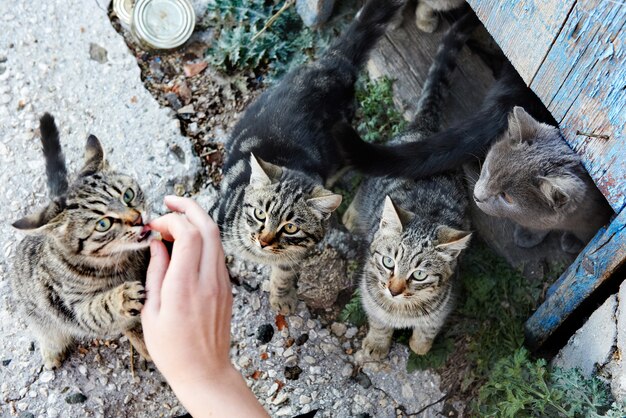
[(582, 81), (598, 261)]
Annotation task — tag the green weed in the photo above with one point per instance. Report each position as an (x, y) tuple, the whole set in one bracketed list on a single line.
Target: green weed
[(353, 311), (377, 118)]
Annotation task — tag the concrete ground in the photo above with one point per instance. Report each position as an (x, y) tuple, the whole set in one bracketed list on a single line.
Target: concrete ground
[(63, 56)]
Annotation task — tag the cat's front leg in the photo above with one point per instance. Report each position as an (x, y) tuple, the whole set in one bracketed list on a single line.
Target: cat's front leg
[(283, 296), (422, 340), (528, 238), (115, 310), (426, 18), (53, 344), (570, 243), (378, 340)]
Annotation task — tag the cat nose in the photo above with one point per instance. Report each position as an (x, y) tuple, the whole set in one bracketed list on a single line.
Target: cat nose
[(265, 240), (477, 200), (395, 287)]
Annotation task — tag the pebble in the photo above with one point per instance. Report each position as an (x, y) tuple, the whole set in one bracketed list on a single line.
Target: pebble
[(363, 380), (292, 373), (310, 323), (291, 361), (186, 110), (351, 332), (272, 390), (407, 391), (296, 322), (46, 376), (75, 398), (288, 352), (347, 370), (338, 328), (265, 333), (309, 360), (314, 12), (25, 414), (243, 362), (304, 400), (302, 339), (82, 369), (284, 411), (281, 398), (97, 53), (315, 370)]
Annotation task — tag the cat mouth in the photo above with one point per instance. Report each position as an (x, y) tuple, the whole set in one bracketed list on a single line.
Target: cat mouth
[(145, 234)]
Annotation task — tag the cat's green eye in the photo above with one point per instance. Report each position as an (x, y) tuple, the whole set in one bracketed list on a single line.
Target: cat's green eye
[(388, 262), (103, 224), (260, 214), (290, 228), (128, 196), (419, 275)]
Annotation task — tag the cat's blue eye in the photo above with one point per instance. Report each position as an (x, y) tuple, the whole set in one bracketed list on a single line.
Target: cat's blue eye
[(419, 275), (260, 214), (128, 196), (103, 224), (388, 262)]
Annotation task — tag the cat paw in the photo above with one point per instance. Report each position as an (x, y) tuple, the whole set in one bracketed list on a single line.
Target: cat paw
[(373, 351), (133, 296), (527, 238), (420, 346), (284, 305), (52, 359), (427, 25), (570, 244)]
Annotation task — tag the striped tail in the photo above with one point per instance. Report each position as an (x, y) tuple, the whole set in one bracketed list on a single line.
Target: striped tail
[(55, 161)]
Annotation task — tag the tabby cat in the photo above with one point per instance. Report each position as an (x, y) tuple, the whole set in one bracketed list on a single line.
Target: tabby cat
[(274, 205), (79, 271), (409, 265), (533, 177)]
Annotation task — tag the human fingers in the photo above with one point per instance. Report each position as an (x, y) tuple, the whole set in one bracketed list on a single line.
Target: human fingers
[(187, 249), (159, 261), (212, 252)]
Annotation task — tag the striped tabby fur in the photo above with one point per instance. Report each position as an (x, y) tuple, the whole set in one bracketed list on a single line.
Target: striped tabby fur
[(414, 234), (274, 206), (79, 271)]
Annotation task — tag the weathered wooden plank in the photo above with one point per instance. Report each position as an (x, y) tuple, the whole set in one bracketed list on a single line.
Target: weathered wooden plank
[(405, 55), (583, 81), (598, 261), (524, 29)]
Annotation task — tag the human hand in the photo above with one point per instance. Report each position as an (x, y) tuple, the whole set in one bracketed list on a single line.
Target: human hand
[(187, 314)]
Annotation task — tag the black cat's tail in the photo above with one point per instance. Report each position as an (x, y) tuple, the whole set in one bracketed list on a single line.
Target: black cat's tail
[(365, 30), (436, 86), (448, 149), (55, 161)]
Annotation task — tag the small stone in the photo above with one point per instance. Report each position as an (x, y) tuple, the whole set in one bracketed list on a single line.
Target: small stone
[(302, 339), (338, 328), (243, 362), (75, 398), (292, 373), (310, 323), (309, 360), (179, 189), (25, 414), (284, 411), (272, 390), (186, 110), (291, 361), (363, 380), (281, 398), (407, 391), (265, 333), (315, 370), (46, 376), (97, 53), (82, 369), (173, 101), (347, 370), (6, 362), (304, 400), (314, 12), (351, 332), (288, 352), (192, 69), (296, 322)]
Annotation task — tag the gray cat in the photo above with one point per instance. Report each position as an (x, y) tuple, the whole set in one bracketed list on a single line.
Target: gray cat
[(79, 271), (416, 233), (534, 178)]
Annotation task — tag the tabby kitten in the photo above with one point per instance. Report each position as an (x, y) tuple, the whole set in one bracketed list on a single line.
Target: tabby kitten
[(79, 271), (408, 270), (274, 205), (534, 178)]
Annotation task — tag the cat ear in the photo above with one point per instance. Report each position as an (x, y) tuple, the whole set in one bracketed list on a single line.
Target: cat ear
[(324, 202), (559, 190), (394, 218), (94, 157), (263, 173), (45, 219), (452, 241), (522, 126)]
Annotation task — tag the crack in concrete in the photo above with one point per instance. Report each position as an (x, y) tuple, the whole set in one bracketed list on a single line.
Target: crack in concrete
[(28, 385)]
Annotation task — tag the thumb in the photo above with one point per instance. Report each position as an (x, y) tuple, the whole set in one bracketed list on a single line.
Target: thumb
[(159, 261)]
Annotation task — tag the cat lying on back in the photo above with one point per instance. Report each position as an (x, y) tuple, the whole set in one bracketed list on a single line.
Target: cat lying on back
[(532, 177), (274, 205), (415, 235), (79, 271)]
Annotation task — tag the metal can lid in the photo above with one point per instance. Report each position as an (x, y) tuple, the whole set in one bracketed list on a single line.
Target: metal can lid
[(163, 24), (123, 10)]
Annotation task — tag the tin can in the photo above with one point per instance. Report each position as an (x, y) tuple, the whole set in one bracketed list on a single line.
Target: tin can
[(163, 24), (123, 10)]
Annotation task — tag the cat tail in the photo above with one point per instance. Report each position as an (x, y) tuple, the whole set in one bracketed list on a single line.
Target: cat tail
[(366, 29), (446, 150), (55, 161), (436, 86)]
